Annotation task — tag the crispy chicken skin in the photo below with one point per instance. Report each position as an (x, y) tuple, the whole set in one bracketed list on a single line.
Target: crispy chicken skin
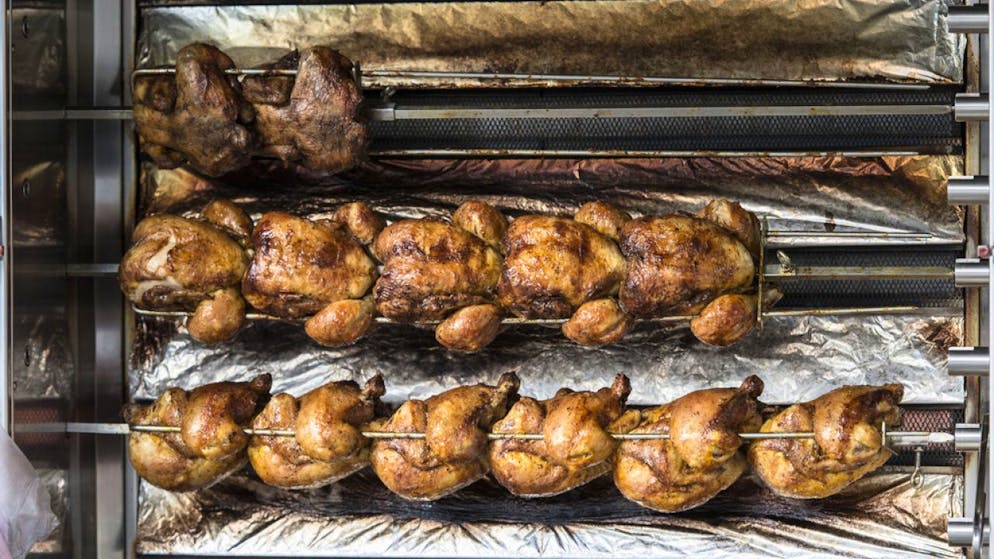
[(555, 267), (302, 267), (327, 445), (311, 119), (432, 268), (702, 456), (729, 318), (453, 453), (576, 448), (847, 441), (198, 118), (677, 264), (210, 444), (743, 224), (176, 263), (482, 220), (604, 218)]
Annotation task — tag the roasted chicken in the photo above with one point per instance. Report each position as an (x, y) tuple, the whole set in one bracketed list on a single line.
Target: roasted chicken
[(576, 445), (680, 264), (327, 444), (700, 459), (847, 444), (184, 264), (198, 117), (554, 266), (317, 269), (310, 119), (436, 270), (453, 452), (210, 444)]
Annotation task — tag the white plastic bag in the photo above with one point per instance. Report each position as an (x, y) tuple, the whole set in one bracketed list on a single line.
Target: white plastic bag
[(25, 505)]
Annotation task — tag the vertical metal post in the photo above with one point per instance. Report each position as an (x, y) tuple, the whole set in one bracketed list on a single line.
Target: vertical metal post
[(6, 378)]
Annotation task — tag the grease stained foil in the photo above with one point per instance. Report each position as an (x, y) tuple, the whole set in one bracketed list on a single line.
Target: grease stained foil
[(743, 41), (799, 358)]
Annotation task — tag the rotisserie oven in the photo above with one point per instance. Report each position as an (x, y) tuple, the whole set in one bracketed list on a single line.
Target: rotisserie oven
[(611, 278)]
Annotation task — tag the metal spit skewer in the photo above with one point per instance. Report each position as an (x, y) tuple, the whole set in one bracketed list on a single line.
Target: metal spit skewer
[(895, 438)]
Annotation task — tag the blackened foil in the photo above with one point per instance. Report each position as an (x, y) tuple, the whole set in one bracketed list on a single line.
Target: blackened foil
[(742, 41), (882, 516)]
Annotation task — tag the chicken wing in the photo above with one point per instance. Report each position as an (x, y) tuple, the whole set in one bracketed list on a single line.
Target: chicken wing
[(847, 444), (576, 445), (183, 264), (453, 452), (327, 444), (700, 459), (210, 444)]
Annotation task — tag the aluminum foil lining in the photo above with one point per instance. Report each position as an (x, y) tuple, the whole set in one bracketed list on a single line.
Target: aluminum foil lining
[(799, 358), (57, 483), (742, 41), (881, 516)]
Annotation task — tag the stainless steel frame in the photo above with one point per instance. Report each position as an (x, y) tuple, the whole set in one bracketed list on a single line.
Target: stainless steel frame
[(99, 198)]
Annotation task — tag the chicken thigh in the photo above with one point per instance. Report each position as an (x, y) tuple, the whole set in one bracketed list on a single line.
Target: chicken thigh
[(453, 452), (436, 270), (576, 445), (847, 444), (210, 444), (554, 266), (180, 264), (199, 117), (311, 119), (327, 444), (700, 459), (317, 269)]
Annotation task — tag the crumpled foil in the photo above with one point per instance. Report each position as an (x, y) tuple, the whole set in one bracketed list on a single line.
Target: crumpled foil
[(743, 41), (899, 200), (819, 195), (57, 483), (881, 516)]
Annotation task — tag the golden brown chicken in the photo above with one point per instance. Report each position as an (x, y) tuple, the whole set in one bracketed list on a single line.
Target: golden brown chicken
[(184, 264), (327, 444), (198, 117), (847, 443), (700, 459), (311, 119), (317, 269), (210, 444), (554, 266), (433, 268), (576, 446), (453, 452), (680, 264)]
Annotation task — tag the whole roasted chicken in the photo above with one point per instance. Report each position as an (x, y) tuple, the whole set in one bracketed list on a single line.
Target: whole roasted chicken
[(198, 117), (327, 444), (453, 452), (180, 264), (576, 446), (847, 444), (437, 270), (680, 264), (310, 119), (557, 267), (701, 458), (316, 269), (210, 444)]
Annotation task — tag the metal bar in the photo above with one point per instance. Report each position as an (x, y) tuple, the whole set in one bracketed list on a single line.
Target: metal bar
[(595, 153), (92, 270), (6, 330), (896, 437), (94, 113), (869, 273), (569, 78), (968, 19)]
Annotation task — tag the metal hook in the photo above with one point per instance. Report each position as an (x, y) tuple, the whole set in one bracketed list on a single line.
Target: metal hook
[(917, 477)]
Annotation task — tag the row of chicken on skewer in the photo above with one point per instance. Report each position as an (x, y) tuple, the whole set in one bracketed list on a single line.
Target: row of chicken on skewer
[(209, 120), (431, 448), (600, 271)]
